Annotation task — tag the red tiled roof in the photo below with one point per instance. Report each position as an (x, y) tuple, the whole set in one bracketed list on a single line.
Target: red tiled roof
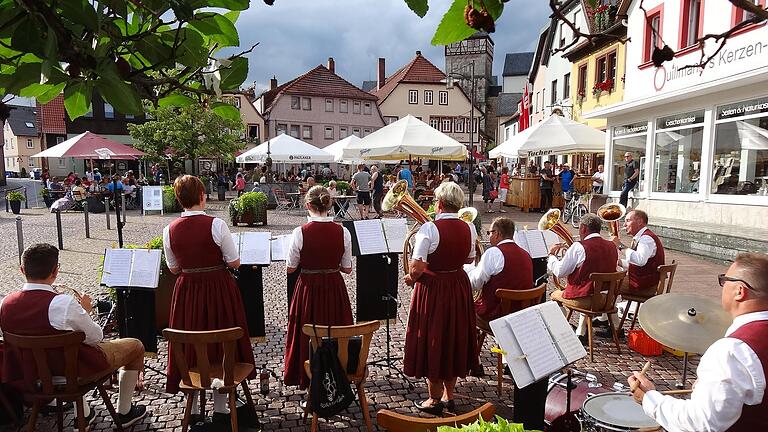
[(50, 117), (317, 82), (419, 70)]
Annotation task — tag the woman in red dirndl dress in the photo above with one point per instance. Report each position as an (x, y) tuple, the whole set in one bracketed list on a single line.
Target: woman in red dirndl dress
[(199, 248), (323, 250), (440, 342)]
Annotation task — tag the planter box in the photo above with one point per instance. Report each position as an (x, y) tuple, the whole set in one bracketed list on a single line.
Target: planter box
[(15, 206), (251, 218)]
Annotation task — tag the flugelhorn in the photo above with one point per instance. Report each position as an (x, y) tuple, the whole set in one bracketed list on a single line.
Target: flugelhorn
[(399, 199), (551, 221), (611, 213)]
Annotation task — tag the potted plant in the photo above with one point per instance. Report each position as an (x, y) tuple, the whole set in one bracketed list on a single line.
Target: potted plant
[(343, 187), (46, 194), (249, 208), (501, 425), (15, 198)]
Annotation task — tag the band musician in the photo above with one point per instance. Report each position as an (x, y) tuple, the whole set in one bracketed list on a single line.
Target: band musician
[(38, 310), (592, 254), (642, 258), (729, 393), (504, 265)]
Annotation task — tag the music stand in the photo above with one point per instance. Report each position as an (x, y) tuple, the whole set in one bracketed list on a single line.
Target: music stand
[(388, 361)]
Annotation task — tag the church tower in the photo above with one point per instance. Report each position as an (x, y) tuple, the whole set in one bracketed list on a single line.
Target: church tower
[(459, 55)]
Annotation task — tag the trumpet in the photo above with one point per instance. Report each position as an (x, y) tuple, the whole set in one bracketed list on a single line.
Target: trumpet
[(551, 221), (611, 213)]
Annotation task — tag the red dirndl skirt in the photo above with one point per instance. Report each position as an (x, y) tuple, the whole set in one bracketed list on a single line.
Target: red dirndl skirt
[(440, 339), (319, 298), (207, 301)]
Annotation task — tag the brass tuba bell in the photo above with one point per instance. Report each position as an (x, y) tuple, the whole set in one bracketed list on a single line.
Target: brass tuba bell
[(611, 213), (399, 199), (551, 221), (468, 214)]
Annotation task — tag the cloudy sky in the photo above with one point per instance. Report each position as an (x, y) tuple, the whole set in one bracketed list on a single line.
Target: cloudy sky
[(297, 35)]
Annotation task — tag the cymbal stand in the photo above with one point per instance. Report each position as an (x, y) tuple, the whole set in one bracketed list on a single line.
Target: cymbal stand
[(389, 362), (681, 384)]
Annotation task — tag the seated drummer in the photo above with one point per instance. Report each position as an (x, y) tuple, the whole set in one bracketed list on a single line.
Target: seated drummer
[(38, 310), (504, 265), (729, 393), (592, 254)]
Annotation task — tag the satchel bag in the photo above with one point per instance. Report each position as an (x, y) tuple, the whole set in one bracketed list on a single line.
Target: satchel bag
[(330, 391), (493, 194)]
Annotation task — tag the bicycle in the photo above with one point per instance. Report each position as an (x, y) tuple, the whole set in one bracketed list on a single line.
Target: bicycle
[(574, 208)]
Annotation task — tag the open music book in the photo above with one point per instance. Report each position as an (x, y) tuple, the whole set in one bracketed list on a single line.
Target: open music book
[(380, 235), (279, 247), (253, 247), (138, 268), (537, 341), (535, 242)]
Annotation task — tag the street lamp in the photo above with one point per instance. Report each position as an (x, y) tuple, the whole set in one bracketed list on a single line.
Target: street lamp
[(449, 85)]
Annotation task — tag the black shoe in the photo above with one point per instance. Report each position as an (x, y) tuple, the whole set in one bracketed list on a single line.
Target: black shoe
[(507, 371), (195, 419), (136, 413), (51, 409), (477, 371), (435, 409), (584, 339), (596, 323), (606, 333), (450, 405)]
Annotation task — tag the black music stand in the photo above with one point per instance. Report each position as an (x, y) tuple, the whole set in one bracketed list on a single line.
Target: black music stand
[(140, 327), (251, 284)]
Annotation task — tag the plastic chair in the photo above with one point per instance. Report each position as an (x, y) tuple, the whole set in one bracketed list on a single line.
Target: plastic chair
[(395, 422), (198, 378), (666, 276)]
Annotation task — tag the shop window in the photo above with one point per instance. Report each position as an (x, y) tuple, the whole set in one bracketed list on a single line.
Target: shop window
[(677, 153), (739, 15), (740, 162), (691, 20), (653, 31), (628, 139)]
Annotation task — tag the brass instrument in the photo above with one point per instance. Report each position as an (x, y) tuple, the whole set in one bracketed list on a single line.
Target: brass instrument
[(399, 199), (468, 214), (551, 221), (64, 289), (611, 213)]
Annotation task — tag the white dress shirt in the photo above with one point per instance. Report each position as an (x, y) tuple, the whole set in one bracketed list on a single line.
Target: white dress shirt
[(573, 258), (428, 237), (730, 375), (297, 242), (645, 250), (65, 313), (491, 263), (597, 176), (221, 236)]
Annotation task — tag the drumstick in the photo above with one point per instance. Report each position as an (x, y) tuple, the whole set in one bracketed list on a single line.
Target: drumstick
[(636, 384)]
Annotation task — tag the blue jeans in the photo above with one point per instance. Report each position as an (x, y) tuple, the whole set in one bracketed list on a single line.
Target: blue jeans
[(628, 186)]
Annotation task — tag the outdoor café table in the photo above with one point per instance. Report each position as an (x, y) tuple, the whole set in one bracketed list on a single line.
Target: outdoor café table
[(295, 198), (343, 206)]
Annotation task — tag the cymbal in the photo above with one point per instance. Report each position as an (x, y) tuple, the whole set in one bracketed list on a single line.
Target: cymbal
[(686, 322)]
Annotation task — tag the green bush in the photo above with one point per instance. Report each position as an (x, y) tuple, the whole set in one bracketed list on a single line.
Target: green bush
[(15, 196), (169, 199), (342, 185), (250, 202), (501, 425)]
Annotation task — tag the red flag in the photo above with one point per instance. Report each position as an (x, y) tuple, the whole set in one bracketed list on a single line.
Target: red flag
[(524, 112)]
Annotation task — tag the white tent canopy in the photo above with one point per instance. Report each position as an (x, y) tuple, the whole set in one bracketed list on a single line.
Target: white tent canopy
[(406, 138), (287, 149), (553, 136)]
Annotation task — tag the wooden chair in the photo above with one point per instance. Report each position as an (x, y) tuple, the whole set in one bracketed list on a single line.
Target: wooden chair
[(605, 289), (198, 378), (666, 276), (395, 422), (342, 334), (72, 390), (511, 301)]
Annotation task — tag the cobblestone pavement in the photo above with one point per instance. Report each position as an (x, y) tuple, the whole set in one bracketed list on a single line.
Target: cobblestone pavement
[(279, 410)]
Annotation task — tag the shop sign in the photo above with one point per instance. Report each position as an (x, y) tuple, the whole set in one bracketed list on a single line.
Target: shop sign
[(299, 157), (630, 129), (739, 109), (677, 120)]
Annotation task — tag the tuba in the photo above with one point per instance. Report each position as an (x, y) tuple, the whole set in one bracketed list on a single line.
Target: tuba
[(611, 213), (551, 221), (399, 199)]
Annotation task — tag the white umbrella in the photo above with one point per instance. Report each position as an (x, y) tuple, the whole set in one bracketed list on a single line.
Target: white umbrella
[(285, 148), (555, 135), (337, 150), (406, 138)]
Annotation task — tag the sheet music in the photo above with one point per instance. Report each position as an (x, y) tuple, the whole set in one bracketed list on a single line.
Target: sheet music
[(550, 239), (117, 267), (279, 247), (145, 271), (255, 248), (533, 242), (535, 342), (565, 339), (395, 232), (518, 364), (370, 237)]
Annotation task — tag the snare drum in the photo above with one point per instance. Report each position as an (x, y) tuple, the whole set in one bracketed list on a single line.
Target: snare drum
[(557, 395), (608, 412)]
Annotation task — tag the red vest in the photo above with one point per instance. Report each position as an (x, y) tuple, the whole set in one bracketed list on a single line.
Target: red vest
[(323, 245), (517, 274), (192, 242), (601, 256), (26, 313), (454, 246), (647, 277), (754, 417)]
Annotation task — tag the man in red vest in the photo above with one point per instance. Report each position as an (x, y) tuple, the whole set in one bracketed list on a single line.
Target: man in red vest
[(38, 310), (505, 265), (729, 394), (592, 254)]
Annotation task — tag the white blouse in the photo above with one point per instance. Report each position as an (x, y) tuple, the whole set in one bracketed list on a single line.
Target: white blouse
[(221, 236), (297, 242), (428, 237)]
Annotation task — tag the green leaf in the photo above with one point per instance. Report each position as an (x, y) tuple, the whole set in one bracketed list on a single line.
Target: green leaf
[(452, 27), (77, 98), (239, 5), (48, 96), (34, 90), (26, 38), (25, 75), (192, 50), (226, 111), (154, 49), (217, 27), (419, 7), (494, 8), (175, 100), (235, 74), (232, 16), (81, 12), (119, 94)]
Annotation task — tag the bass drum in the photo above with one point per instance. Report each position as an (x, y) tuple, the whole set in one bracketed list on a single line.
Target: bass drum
[(557, 395), (608, 412)]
